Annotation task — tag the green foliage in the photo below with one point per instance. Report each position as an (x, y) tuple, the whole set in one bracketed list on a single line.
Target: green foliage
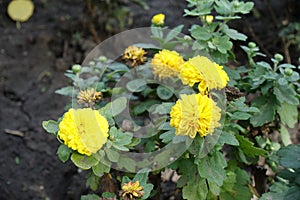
[(212, 167), (63, 153), (93, 181), (289, 156), (291, 34), (277, 86), (50, 126), (119, 140), (235, 186), (214, 37), (82, 161), (287, 187), (248, 147), (90, 197), (196, 188)]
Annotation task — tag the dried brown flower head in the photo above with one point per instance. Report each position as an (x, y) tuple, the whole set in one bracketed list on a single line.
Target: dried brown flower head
[(89, 97), (134, 56), (132, 190)]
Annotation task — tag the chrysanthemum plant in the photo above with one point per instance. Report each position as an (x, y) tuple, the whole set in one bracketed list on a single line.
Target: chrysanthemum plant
[(171, 104)]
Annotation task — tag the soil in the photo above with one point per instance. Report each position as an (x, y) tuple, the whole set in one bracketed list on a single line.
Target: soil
[(32, 65)]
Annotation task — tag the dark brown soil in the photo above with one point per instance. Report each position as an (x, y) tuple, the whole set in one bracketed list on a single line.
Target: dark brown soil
[(32, 64)]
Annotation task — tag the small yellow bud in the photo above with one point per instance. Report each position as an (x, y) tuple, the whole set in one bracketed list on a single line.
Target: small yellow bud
[(158, 19), (209, 19)]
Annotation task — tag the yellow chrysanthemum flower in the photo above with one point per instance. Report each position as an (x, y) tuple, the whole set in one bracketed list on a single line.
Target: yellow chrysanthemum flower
[(195, 113), (166, 64), (158, 19), (83, 130), (132, 190), (134, 56), (201, 70)]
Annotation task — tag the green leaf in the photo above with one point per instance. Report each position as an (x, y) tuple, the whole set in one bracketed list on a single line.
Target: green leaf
[(285, 135), (285, 94), (119, 139), (51, 126), (277, 192), (204, 9), (233, 34), (239, 105), (164, 93), (200, 33), (100, 169), (63, 153), (173, 33), (243, 7), (267, 107), (228, 138), (199, 45), (214, 188), (212, 168), (222, 43), (116, 66), (267, 67), (240, 116), (288, 114), (196, 189), (248, 147), (82, 161), (282, 81), (235, 186), (227, 18), (163, 108), (127, 163), (167, 136), (293, 193), (108, 195), (118, 105), (146, 46), (289, 156), (219, 57), (112, 155), (136, 85), (114, 108), (223, 7), (93, 181), (67, 91), (141, 176), (145, 105), (90, 197)]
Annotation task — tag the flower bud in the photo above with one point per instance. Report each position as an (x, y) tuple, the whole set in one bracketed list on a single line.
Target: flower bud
[(278, 57), (76, 68), (251, 45), (288, 71), (102, 59), (209, 19), (158, 19), (187, 38), (92, 63), (236, 4)]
